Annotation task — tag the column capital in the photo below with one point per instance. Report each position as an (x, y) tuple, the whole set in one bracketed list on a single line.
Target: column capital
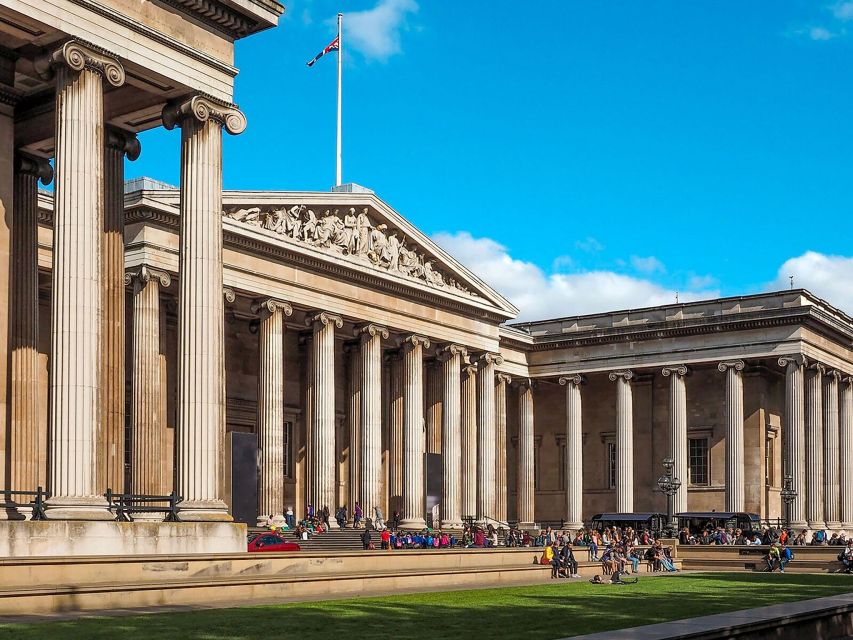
[(571, 379), (124, 141), (78, 55), (32, 166), (323, 319), (737, 365), (625, 375), (370, 330), (229, 294), (265, 306), (448, 351), (414, 340), (502, 377), (847, 380), (491, 358), (677, 369), (469, 367), (818, 367), (797, 359), (524, 383), (833, 375), (145, 273), (203, 108)]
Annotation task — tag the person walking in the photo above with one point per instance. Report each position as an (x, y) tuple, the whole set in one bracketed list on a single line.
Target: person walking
[(365, 540), (378, 520)]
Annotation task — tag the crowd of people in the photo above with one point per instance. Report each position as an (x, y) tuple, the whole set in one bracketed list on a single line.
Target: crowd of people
[(718, 535)]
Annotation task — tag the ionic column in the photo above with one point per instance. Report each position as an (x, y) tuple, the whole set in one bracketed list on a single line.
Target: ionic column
[(414, 499), (831, 490), (24, 429), (794, 435), (574, 451), (322, 462), (735, 472), (624, 440), (118, 144), (147, 428), (486, 458), (501, 381), (356, 384), (451, 358), (78, 218), (678, 431), (846, 453), (271, 407), (201, 370), (396, 426), (371, 337), (526, 470), (814, 447), (469, 440)]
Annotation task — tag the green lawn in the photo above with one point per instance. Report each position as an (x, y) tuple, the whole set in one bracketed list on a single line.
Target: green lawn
[(546, 611)]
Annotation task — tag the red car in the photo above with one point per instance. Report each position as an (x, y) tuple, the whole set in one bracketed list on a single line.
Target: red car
[(271, 542)]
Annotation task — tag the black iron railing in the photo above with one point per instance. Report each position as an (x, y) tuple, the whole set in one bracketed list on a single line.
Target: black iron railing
[(126, 504), (40, 496)]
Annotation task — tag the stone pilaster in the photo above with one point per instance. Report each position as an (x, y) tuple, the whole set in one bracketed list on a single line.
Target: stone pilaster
[(469, 440), (735, 472), (846, 453), (574, 451), (201, 370), (24, 436), (501, 382), (624, 440), (414, 498), (831, 489), (147, 424), (395, 434), (355, 383), (271, 380), (526, 471), (486, 459), (80, 71), (451, 358), (371, 337), (794, 435), (322, 462), (678, 431), (118, 145), (814, 447)]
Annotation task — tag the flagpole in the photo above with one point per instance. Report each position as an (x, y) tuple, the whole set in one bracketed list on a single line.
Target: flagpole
[(340, 68)]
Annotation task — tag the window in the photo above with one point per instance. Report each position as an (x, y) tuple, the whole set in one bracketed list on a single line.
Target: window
[(288, 449), (611, 465), (698, 461)]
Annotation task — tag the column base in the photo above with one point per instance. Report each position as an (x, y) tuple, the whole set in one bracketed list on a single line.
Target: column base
[(525, 526), (452, 524), (816, 525), (847, 526), (204, 511), (573, 526), (77, 508), (799, 525), (11, 511), (833, 525), (413, 524)]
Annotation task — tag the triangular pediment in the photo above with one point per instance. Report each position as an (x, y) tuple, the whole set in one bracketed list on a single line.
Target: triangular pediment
[(360, 229)]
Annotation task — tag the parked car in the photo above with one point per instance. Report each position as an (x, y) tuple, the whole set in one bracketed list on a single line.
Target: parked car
[(271, 542)]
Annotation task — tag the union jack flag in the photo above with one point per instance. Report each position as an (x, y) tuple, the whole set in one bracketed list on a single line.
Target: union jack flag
[(333, 46)]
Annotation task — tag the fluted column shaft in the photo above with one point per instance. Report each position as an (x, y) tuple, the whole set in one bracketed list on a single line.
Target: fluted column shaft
[(831, 490), (486, 436), (794, 435), (75, 384), (678, 432), (356, 386), (624, 441), (846, 453), (501, 382), (271, 408), (735, 472), (395, 435), (414, 499), (469, 441), (451, 435), (24, 434), (433, 407), (148, 429), (371, 417), (814, 447), (574, 451), (526, 470)]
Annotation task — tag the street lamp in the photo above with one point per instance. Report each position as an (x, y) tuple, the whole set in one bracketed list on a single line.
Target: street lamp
[(788, 495), (669, 485)]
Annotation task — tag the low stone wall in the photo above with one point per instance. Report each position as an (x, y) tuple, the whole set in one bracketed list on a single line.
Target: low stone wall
[(110, 538), (751, 558)]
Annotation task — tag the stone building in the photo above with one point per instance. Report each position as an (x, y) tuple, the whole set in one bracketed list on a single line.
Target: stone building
[(254, 350)]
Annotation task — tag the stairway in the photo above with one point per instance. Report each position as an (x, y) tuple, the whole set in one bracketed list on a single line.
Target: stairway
[(334, 540)]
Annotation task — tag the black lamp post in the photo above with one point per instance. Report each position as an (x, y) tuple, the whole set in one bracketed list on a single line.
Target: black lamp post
[(788, 495), (669, 485)]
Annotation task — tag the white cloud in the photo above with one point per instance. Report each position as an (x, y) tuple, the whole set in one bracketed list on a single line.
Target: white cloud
[(843, 11), (647, 265), (819, 33), (826, 276), (539, 295), (375, 33), (590, 245)]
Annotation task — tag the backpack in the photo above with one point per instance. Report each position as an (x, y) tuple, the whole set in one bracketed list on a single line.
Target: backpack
[(649, 554)]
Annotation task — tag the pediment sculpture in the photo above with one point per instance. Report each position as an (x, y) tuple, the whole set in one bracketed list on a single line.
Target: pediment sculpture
[(354, 235)]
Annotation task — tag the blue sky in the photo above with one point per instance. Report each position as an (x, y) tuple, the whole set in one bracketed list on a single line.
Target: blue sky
[(581, 156)]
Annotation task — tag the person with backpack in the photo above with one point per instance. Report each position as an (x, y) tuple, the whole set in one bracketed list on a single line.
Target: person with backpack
[(785, 556)]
